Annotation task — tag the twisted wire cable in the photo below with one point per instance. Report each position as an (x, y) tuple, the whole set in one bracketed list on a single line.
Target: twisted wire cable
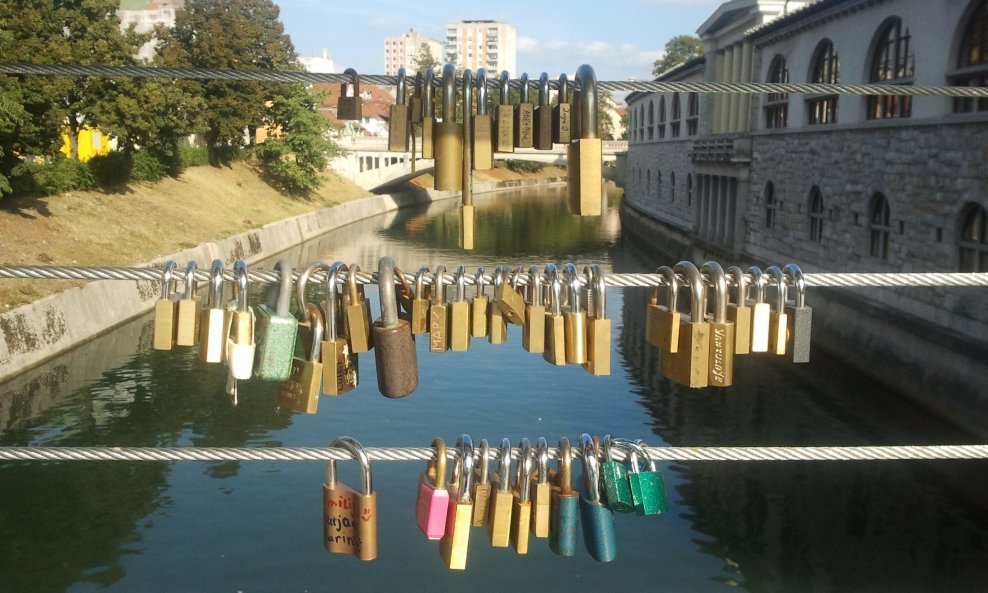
[(729, 454), (378, 79)]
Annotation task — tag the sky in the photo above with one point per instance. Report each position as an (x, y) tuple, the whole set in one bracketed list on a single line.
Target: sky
[(620, 40)]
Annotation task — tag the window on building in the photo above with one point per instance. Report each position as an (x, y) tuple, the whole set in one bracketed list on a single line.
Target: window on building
[(658, 184), (662, 117), (672, 187), (648, 188), (825, 68), (689, 189), (692, 114), (674, 119), (891, 63), (770, 205), (974, 239), (651, 120), (816, 215), (972, 60), (777, 104), (641, 122), (634, 125), (879, 226)]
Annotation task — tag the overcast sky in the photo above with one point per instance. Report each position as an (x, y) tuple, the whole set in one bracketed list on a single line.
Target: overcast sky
[(619, 39)]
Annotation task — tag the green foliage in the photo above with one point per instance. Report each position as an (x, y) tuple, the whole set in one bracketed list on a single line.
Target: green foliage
[(679, 50), (147, 167), (56, 176), (112, 169), (193, 156), (424, 59), (624, 126), (525, 166)]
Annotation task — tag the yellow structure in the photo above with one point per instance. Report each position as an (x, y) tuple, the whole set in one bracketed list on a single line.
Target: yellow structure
[(91, 142)]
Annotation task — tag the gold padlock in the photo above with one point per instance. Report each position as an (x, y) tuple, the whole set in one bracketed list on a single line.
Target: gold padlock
[(662, 321), (483, 155), (721, 364), (348, 107), (340, 370), (438, 320), (447, 137), (543, 116), (499, 518), (584, 178), (420, 304), (561, 113), (497, 328), (478, 307), (399, 126), (739, 312), (166, 310), (555, 332), (428, 116), (504, 136), (459, 518), (575, 319), (778, 327), (415, 103), (533, 331), (598, 325), (187, 314), (689, 366), (358, 322), (524, 117), (459, 315)]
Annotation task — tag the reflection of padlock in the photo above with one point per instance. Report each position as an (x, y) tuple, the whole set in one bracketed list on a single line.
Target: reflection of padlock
[(350, 518)]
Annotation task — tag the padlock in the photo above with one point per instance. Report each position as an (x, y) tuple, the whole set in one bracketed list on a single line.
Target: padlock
[(420, 304), (497, 325), (521, 509), (565, 507), (614, 478), (300, 392), (482, 486), (543, 116), (483, 155), (349, 517), (240, 345), (432, 502), (405, 295), (662, 321), (721, 363), (648, 490), (428, 116), (555, 324), (598, 361), (459, 315), (499, 517), (187, 313), (561, 113), (524, 118), (584, 177), (394, 347), (739, 312), (166, 311), (509, 301), (799, 316), (415, 103), (478, 307), (358, 320), (533, 331), (504, 123), (465, 238), (399, 126), (447, 136), (340, 365), (574, 319), (689, 366), (438, 313), (540, 488), (598, 520), (348, 106), (277, 329), (455, 543), (211, 327), (761, 311), (778, 320)]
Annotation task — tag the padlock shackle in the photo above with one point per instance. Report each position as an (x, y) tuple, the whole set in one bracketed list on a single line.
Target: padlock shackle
[(240, 274), (216, 281), (564, 466), (587, 80), (572, 279), (780, 287), (439, 286), (648, 456), (283, 304), (718, 279), (440, 446), (555, 295), (523, 90), (466, 107), (591, 468), (303, 281), (190, 280), (420, 281), (354, 79), (740, 284), (760, 283), (485, 460), (478, 281), (505, 80), (516, 277), (428, 106), (535, 292), (544, 89), (386, 287), (481, 91), (523, 471), (332, 310), (504, 466), (400, 88), (449, 93), (563, 91), (356, 450), (698, 300), (461, 284), (314, 315), (794, 275), (542, 459), (167, 279), (595, 279), (636, 458), (464, 461)]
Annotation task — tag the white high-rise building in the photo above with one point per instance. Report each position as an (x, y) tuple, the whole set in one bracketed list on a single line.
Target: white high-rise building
[(482, 44), (400, 51), (145, 15), (319, 64)]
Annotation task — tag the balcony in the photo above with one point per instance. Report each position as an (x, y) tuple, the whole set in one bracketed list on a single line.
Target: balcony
[(735, 151)]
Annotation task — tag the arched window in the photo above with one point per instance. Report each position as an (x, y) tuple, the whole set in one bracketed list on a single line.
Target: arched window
[(689, 189), (891, 63), (662, 117), (816, 215), (658, 184), (972, 59), (770, 205), (674, 120), (672, 187), (641, 122), (825, 68), (692, 114), (777, 104), (974, 239), (651, 120), (634, 125), (879, 226), (648, 188)]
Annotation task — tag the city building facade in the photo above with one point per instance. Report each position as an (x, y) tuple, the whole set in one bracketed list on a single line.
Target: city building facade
[(145, 15), (482, 44), (400, 51)]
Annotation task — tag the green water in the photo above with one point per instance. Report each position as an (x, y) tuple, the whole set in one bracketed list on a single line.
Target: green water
[(256, 526)]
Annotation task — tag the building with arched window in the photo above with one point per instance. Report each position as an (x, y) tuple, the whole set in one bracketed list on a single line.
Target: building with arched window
[(839, 183)]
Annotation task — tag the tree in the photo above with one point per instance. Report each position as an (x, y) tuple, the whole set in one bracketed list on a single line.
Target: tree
[(679, 50), (424, 59)]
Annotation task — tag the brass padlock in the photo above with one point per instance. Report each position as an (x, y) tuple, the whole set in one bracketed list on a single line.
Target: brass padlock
[(598, 325), (394, 346), (524, 118), (540, 487), (340, 364), (428, 116), (521, 510), (483, 123), (349, 517), (415, 103), (438, 319), (497, 325), (187, 313), (533, 331), (575, 319), (166, 310), (358, 321), (420, 304), (348, 106), (212, 343), (761, 311), (300, 392), (447, 136), (482, 486), (561, 113), (478, 307), (555, 331), (778, 327), (584, 177), (459, 315), (739, 312), (690, 366), (455, 543), (721, 365), (399, 126), (662, 321), (504, 123), (499, 517), (543, 116), (509, 301)]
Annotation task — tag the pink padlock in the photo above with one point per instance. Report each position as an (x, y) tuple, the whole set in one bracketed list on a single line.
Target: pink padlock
[(432, 503)]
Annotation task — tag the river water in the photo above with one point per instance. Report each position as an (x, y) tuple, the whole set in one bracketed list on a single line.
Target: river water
[(256, 526)]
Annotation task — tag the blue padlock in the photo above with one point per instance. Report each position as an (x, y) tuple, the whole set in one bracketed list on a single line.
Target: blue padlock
[(598, 520), (564, 512)]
